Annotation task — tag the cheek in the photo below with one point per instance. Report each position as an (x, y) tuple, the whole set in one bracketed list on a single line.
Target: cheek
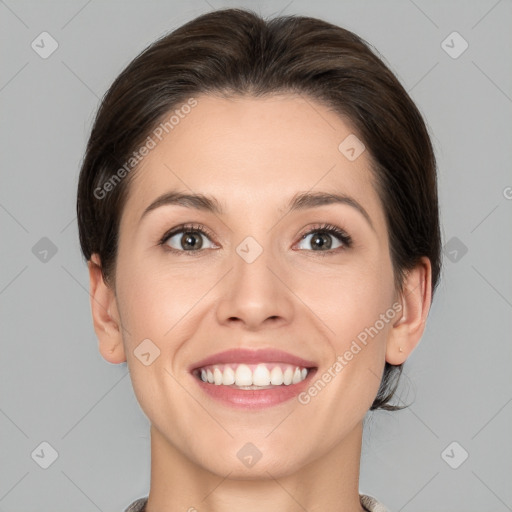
[(157, 308), (358, 310), (348, 299), (153, 302), (362, 316), (355, 304)]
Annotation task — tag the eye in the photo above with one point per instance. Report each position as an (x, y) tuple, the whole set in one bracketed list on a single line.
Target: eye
[(326, 238), (186, 238)]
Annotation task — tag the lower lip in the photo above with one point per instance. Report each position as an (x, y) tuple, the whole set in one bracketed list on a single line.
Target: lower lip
[(255, 398)]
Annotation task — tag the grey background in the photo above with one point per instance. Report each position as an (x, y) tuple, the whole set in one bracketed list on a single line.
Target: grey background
[(55, 386)]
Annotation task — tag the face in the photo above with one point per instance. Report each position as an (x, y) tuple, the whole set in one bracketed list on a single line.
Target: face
[(264, 270)]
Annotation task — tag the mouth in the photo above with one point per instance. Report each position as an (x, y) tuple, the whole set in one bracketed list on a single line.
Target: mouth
[(253, 379)]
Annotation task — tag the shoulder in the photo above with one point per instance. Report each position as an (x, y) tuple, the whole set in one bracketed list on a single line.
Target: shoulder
[(371, 504), (368, 502), (138, 505)]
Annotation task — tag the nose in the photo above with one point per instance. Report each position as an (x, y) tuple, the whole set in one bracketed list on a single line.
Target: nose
[(256, 294)]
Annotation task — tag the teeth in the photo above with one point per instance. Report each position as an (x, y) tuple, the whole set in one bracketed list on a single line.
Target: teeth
[(276, 376), (260, 376), (217, 377), (243, 376), (288, 376), (253, 376), (228, 377)]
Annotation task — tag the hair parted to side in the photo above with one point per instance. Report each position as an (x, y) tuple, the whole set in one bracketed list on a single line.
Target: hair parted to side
[(232, 52)]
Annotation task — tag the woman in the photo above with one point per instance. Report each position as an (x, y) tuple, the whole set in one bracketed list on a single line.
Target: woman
[(258, 209)]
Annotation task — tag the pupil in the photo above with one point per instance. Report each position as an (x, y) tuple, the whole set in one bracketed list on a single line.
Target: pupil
[(321, 240), (188, 241)]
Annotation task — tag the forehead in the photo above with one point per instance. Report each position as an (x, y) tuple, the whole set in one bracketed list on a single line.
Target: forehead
[(253, 153)]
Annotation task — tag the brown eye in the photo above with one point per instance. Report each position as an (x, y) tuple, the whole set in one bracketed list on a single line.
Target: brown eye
[(326, 238), (187, 239), (190, 240)]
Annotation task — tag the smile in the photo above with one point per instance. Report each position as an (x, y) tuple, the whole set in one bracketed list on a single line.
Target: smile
[(252, 379)]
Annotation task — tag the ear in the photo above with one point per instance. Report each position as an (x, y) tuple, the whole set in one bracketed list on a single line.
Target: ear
[(105, 314), (415, 299)]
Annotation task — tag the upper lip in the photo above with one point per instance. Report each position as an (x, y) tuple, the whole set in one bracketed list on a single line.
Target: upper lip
[(243, 355)]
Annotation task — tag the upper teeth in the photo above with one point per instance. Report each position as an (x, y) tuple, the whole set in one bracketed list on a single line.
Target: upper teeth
[(249, 375)]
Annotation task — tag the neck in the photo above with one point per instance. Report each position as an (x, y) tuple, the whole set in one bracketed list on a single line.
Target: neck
[(328, 483)]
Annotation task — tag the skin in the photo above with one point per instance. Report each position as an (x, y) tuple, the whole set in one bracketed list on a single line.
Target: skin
[(253, 155)]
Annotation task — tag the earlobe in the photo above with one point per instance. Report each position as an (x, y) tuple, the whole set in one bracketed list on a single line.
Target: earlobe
[(415, 299), (105, 315)]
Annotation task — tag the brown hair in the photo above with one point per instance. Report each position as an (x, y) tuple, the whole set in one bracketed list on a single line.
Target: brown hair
[(236, 52)]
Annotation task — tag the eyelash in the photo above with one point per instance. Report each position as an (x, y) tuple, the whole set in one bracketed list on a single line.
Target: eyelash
[(330, 229)]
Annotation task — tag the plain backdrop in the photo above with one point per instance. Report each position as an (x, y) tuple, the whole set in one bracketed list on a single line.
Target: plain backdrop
[(450, 451)]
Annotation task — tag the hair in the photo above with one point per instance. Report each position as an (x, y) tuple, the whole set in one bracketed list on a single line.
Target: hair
[(232, 52)]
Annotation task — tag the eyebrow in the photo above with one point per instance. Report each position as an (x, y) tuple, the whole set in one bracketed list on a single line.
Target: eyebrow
[(301, 201)]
